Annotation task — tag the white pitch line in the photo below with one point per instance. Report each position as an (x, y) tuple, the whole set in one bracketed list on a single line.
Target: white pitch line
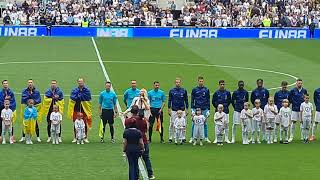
[(141, 166), (162, 63)]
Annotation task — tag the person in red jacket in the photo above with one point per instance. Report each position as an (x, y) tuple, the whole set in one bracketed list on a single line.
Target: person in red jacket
[(142, 125)]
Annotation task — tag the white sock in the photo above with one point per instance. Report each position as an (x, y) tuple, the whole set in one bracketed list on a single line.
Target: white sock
[(234, 128), (314, 129), (293, 129), (263, 131), (273, 136), (301, 127), (276, 131), (226, 133), (252, 136)]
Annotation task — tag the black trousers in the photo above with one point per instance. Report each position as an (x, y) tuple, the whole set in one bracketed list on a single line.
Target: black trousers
[(107, 116), (155, 115), (37, 131), (49, 125)]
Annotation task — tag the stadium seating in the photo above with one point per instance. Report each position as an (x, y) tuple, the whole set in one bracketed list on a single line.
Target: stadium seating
[(213, 13)]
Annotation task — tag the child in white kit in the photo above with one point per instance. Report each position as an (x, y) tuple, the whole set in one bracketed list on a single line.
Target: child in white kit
[(7, 116), (220, 124), (284, 117), (246, 117), (306, 109), (80, 128), (270, 111), (198, 130), (257, 113), (179, 127), (55, 118)]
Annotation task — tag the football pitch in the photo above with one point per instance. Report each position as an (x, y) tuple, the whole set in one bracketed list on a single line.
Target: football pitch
[(147, 60)]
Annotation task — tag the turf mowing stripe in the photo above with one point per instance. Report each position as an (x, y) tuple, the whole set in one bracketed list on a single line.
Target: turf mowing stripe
[(141, 166), (165, 63)]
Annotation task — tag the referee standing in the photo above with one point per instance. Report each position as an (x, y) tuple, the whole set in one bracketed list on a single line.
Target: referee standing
[(157, 100), (108, 109)]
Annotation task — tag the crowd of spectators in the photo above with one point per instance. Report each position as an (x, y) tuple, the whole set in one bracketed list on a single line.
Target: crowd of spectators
[(214, 13), (252, 13)]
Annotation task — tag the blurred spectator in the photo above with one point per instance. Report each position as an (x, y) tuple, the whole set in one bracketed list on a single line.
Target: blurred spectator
[(214, 13)]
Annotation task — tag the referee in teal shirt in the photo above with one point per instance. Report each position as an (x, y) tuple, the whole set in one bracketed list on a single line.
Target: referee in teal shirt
[(157, 101), (131, 93), (108, 109)]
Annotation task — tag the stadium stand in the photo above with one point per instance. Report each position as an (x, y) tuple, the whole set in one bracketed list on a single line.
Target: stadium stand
[(213, 13)]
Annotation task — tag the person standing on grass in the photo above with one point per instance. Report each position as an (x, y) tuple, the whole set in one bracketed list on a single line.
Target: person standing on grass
[(262, 94), (31, 93), (53, 96), (30, 116), (222, 96), (296, 98), (157, 100), (306, 109), (131, 93), (142, 101), (7, 94), (108, 110), (239, 97), (133, 147), (316, 99), (178, 100), (80, 102), (278, 99), (141, 124), (7, 117), (200, 98)]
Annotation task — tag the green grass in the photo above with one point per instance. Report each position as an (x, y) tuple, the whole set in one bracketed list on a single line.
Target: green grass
[(104, 161)]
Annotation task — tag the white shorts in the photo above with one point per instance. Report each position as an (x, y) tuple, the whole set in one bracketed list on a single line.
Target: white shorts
[(296, 116), (236, 118), (270, 123), (198, 132), (55, 128), (227, 118), (174, 116), (277, 119), (219, 129), (245, 126), (256, 126), (317, 117), (306, 123)]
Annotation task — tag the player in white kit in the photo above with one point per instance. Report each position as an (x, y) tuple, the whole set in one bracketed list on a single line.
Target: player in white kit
[(7, 117), (220, 124), (80, 128), (55, 118), (284, 118), (198, 131), (180, 128), (246, 117), (257, 113), (270, 111), (306, 109)]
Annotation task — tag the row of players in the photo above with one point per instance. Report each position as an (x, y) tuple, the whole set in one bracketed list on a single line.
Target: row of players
[(253, 121), (200, 99), (154, 101)]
